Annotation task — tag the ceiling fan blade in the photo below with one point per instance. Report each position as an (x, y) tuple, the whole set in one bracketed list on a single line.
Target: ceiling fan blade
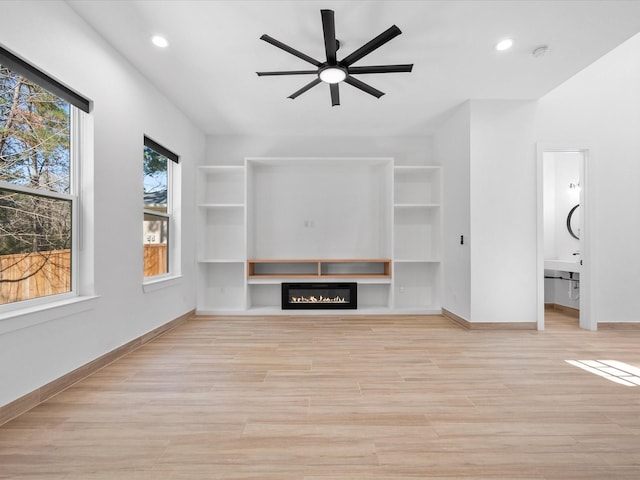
[(290, 50), (381, 69), (309, 85), (370, 46), (364, 87), (335, 94), (329, 29), (289, 72)]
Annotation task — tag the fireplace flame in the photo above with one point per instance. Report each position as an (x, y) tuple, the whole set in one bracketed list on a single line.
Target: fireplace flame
[(320, 299)]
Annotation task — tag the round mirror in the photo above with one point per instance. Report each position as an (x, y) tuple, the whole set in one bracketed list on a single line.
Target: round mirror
[(573, 222)]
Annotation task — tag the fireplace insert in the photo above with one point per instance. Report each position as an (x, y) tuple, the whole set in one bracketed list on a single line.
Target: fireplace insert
[(315, 296)]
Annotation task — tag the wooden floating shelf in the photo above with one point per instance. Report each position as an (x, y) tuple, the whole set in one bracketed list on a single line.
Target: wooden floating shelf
[(319, 268)]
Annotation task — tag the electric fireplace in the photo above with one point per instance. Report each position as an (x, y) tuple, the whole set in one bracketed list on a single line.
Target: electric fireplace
[(316, 296)]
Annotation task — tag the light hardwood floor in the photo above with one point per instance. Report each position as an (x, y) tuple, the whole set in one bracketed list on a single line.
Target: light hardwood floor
[(312, 398)]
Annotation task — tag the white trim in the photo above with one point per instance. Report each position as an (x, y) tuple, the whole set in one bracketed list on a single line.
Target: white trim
[(45, 312), (539, 237), (156, 213), (74, 187), (41, 192), (587, 318), (160, 281)]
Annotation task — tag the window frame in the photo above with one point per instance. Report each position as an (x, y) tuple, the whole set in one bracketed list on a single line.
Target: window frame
[(73, 197), (172, 163), (79, 105)]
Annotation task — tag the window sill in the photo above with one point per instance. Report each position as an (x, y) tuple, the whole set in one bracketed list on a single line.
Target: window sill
[(45, 312), (160, 283)]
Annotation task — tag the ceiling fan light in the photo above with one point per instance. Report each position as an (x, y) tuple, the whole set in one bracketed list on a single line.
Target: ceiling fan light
[(332, 75)]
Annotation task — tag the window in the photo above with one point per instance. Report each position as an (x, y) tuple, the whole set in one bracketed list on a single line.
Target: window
[(156, 232), (38, 194)]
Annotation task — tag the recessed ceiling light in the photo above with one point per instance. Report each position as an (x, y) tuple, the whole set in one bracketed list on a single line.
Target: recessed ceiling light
[(505, 44), (160, 41)]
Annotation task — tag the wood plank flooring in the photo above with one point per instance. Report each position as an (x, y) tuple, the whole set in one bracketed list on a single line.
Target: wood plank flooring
[(336, 398)]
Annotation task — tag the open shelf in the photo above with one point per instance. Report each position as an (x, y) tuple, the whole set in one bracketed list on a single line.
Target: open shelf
[(221, 185), (417, 285), (416, 185), (222, 233), (319, 269), (417, 233), (221, 287)]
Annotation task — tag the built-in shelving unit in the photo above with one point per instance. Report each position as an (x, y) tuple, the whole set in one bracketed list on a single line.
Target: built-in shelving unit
[(417, 231), (274, 220), (221, 238)]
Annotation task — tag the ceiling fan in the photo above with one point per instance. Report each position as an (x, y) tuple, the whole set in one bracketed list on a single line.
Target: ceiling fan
[(334, 71)]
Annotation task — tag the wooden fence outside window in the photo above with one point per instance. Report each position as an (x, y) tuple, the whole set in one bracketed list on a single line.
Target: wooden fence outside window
[(155, 259), (34, 275)]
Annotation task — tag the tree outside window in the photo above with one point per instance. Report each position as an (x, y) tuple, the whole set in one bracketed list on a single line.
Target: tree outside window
[(36, 192)]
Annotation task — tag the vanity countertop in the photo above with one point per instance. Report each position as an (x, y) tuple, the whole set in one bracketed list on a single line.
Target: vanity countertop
[(563, 265)]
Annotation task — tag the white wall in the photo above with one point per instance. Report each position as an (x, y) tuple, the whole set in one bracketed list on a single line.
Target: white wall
[(452, 149), (560, 170), (230, 150), (503, 211), (487, 148), (306, 209), (126, 106), (599, 109), (549, 205)]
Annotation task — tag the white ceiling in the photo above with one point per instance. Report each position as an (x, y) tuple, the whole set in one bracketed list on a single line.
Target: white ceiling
[(209, 68)]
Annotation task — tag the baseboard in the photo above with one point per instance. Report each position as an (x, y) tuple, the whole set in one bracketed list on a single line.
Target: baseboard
[(488, 325), (458, 320), (32, 399), (619, 326), (348, 316)]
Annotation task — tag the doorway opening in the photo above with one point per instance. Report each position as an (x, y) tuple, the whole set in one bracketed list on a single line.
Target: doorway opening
[(563, 247)]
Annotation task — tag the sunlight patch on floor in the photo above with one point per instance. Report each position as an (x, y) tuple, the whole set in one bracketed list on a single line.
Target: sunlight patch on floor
[(613, 370)]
